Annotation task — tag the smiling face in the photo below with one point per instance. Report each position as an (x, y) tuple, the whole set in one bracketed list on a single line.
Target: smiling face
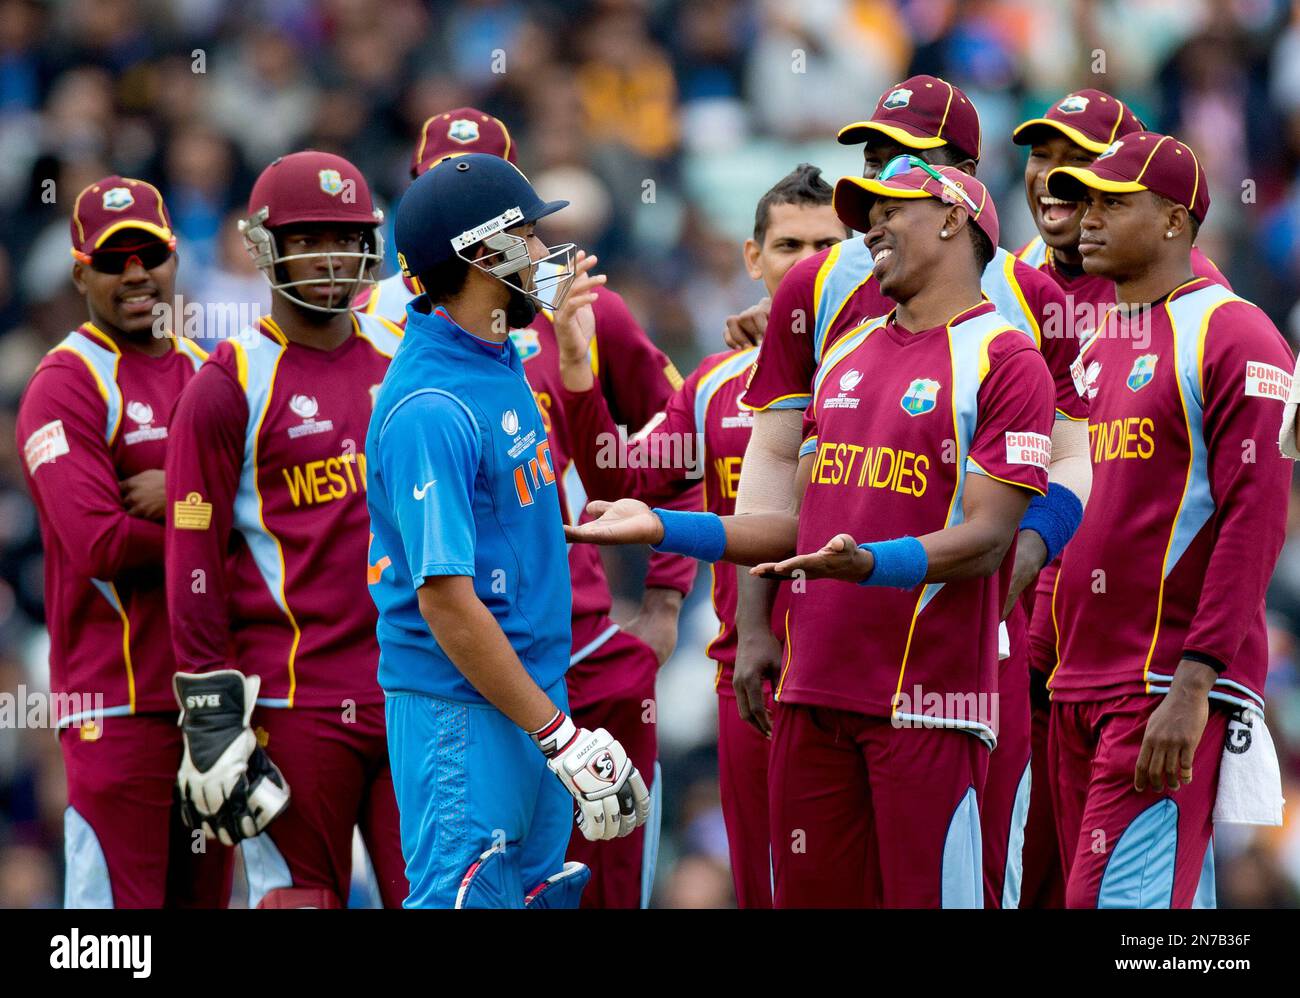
[(905, 243), (1121, 235), (128, 301), (1057, 220)]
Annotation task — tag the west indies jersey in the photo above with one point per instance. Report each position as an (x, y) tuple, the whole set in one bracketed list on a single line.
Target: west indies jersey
[(701, 435), (835, 290), (897, 423), (1190, 497), (267, 529), (95, 413), (388, 299)]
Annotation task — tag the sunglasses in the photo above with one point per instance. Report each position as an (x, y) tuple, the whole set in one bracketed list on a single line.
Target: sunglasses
[(116, 259), (899, 165)]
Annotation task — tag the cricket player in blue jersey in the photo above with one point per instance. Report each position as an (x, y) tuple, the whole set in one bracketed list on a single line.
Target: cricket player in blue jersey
[(468, 565)]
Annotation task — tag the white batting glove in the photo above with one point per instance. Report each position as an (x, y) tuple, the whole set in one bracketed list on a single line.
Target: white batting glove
[(612, 797)]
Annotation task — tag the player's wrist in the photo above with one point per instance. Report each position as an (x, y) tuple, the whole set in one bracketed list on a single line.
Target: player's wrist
[(556, 735), (1193, 678)]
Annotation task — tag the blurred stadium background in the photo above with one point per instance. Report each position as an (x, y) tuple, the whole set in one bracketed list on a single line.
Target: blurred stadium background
[(663, 121)]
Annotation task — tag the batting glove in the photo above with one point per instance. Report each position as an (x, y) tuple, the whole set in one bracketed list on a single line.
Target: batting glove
[(612, 797)]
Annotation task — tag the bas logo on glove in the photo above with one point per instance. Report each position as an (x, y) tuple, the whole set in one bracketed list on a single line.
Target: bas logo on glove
[(228, 785)]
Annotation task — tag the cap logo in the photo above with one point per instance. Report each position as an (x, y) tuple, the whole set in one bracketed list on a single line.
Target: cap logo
[(897, 98), (330, 182), (118, 199), (1074, 104), (1111, 149), (463, 130)]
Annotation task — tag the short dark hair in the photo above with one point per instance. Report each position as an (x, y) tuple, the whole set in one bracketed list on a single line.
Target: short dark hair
[(802, 185), (984, 248), (444, 280)]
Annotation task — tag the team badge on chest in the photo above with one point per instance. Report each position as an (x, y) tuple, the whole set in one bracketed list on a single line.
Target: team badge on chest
[(1144, 369), (921, 396)]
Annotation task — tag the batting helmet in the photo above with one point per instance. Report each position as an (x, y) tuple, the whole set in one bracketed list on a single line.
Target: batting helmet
[(312, 187)]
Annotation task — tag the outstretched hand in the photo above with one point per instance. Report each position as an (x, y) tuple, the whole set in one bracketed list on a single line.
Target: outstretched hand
[(626, 521), (840, 558)]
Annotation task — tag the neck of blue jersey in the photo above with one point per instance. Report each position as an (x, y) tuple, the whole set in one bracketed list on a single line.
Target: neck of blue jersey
[(434, 320)]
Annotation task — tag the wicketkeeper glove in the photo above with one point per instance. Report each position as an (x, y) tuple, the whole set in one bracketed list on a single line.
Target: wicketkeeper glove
[(228, 785), (612, 797)]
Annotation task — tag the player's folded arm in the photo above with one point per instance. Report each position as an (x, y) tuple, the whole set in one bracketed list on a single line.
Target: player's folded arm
[(61, 429)]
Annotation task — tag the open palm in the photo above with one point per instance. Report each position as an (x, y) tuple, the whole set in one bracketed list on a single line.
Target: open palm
[(626, 521)]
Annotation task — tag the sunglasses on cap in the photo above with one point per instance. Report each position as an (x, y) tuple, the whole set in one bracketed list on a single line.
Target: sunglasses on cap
[(117, 259), (899, 165)]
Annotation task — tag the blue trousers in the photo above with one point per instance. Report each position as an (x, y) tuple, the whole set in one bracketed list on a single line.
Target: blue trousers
[(468, 781)]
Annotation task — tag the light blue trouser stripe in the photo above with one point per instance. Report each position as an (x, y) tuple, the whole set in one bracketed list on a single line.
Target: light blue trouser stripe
[(265, 868), (86, 882), (1015, 868), (1206, 893), (650, 847), (1140, 872), (962, 884)]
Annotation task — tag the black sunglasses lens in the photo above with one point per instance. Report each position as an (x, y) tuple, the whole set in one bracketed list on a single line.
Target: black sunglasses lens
[(115, 261)]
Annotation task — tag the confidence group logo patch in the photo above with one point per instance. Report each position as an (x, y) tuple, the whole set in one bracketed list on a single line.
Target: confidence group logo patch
[(1264, 381), (1144, 369), (921, 396), (1029, 448), (45, 445)]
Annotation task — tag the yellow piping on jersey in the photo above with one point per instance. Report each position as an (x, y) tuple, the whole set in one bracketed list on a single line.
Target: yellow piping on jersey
[(1191, 457), (1009, 269), (789, 655), (126, 646), (107, 341), (279, 550), (241, 364), (780, 398), (1005, 481), (1056, 631)]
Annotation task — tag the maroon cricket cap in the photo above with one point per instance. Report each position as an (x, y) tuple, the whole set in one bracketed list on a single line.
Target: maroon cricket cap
[(115, 203), (312, 186), (922, 112), (854, 196), (1091, 119), (1140, 161), (454, 133)]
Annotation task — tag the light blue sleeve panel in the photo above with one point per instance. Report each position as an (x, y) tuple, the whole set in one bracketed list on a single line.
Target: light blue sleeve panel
[(429, 452)]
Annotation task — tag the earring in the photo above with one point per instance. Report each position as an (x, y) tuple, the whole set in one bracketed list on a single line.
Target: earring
[(943, 233), (1169, 234)]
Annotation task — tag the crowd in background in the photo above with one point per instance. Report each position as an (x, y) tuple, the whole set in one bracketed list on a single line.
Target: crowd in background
[(662, 121)]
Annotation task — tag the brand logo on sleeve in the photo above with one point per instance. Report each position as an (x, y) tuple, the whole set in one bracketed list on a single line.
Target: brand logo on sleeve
[(1029, 448), (45, 445), (420, 491), (921, 396), (1265, 381), (1144, 369), (191, 513)]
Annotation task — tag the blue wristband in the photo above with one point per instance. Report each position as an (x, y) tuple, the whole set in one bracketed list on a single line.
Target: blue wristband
[(1053, 517), (696, 535), (900, 563)]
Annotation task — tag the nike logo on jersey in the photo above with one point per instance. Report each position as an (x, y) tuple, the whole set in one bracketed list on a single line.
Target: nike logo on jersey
[(419, 493)]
